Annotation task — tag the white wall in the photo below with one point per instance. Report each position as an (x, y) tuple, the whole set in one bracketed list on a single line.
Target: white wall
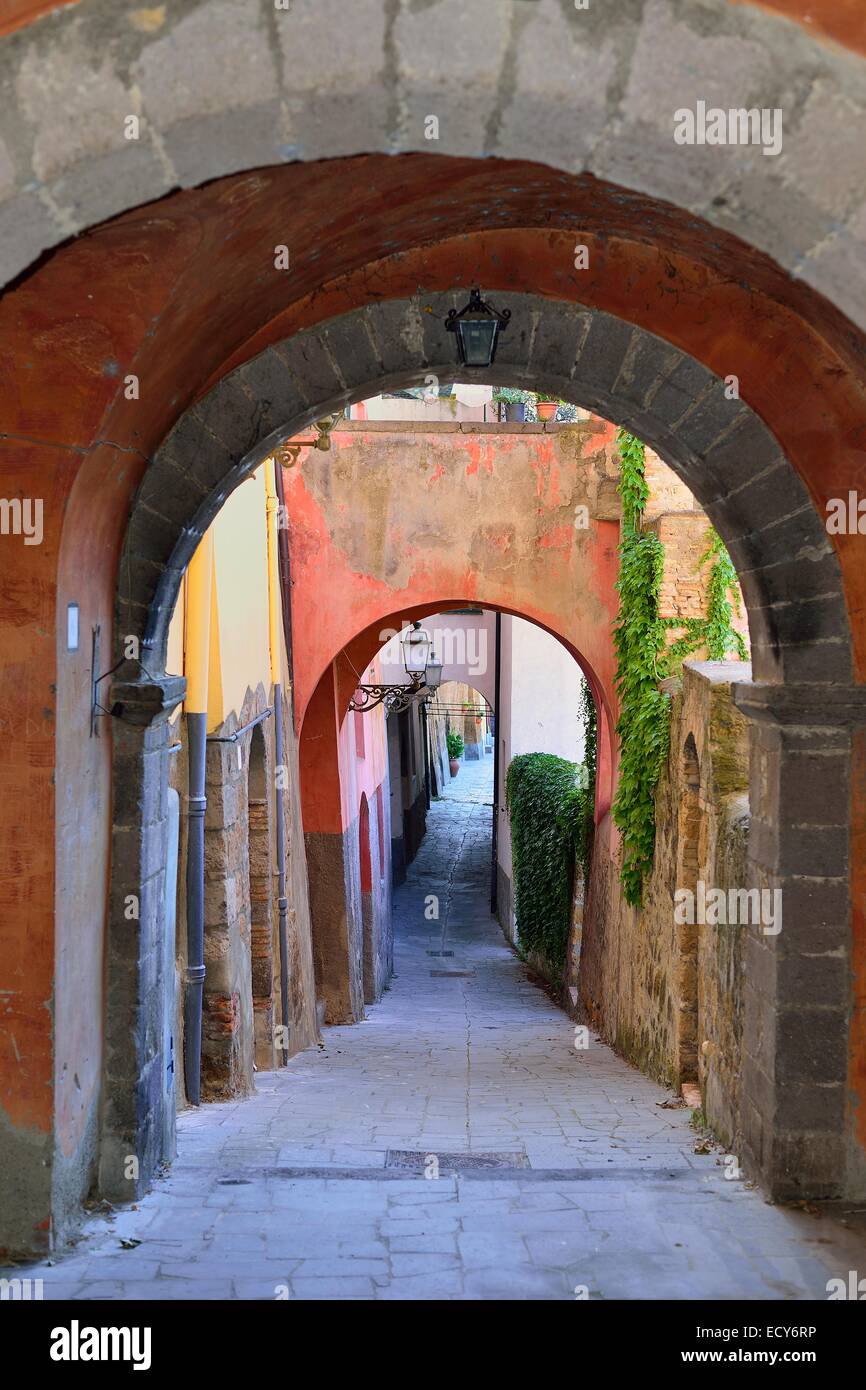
[(545, 691), (540, 689), (469, 402)]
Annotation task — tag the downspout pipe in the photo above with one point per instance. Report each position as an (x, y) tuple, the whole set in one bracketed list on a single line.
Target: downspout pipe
[(277, 600), (199, 580), (285, 577), (426, 740)]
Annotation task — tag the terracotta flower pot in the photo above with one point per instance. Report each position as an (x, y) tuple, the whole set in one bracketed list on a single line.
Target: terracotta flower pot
[(454, 765), (546, 409)]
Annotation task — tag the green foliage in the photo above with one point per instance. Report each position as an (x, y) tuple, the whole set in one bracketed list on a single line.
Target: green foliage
[(639, 636), (643, 726), (454, 743), (586, 827), (511, 394), (633, 488), (643, 659), (716, 631), (546, 798)]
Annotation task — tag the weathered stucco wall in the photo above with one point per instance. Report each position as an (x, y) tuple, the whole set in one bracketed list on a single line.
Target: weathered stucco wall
[(400, 515), (669, 995), (344, 778)]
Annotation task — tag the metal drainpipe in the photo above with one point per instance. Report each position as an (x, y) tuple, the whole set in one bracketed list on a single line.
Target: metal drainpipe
[(197, 656), (285, 578), (494, 871), (426, 740), (275, 608)]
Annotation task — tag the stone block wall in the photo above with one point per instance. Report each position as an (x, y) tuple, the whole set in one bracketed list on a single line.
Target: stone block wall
[(668, 995), (227, 1018)]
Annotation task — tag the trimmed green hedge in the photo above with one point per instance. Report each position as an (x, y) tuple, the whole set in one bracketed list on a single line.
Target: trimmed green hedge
[(547, 800)]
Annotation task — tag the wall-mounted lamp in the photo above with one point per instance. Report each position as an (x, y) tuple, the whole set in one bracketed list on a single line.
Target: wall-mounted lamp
[(423, 668), (287, 454)]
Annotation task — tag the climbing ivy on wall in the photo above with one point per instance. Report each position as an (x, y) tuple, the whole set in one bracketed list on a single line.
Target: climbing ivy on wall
[(586, 829), (716, 631), (546, 798), (644, 658), (639, 639)]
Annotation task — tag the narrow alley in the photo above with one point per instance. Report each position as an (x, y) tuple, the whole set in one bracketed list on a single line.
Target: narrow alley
[(562, 1174)]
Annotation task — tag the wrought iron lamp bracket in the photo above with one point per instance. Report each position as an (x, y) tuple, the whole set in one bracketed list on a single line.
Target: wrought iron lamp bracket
[(395, 698)]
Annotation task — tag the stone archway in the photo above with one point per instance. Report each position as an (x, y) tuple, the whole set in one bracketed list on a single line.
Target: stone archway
[(217, 88), (795, 1112)]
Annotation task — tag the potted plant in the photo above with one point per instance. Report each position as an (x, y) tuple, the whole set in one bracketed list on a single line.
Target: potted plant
[(546, 406), (455, 750), (514, 401)]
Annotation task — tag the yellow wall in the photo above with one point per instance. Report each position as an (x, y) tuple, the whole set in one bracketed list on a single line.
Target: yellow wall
[(239, 615)]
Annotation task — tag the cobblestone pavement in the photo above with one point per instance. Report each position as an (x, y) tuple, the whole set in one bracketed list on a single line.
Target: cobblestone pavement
[(289, 1195)]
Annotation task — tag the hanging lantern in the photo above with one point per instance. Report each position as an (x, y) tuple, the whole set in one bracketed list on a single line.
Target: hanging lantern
[(416, 649), (477, 327)]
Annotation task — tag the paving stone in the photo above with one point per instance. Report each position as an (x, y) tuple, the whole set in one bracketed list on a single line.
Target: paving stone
[(333, 1287), (607, 1218)]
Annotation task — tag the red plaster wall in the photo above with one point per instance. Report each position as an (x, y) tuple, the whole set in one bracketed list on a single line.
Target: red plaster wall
[(482, 518)]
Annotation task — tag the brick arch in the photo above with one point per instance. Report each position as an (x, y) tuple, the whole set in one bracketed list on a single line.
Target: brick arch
[(798, 1117), (220, 88)]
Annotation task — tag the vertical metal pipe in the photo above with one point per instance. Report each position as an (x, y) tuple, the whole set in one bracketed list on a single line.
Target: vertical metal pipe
[(426, 740), (285, 580), (497, 692), (198, 609), (277, 605), (282, 899), (196, 728)]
